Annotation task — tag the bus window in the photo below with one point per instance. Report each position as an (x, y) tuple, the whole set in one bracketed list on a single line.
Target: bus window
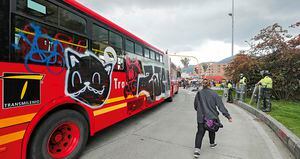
[(100, 34), (129, 46), (138, 49), (152, 55), (147, 53), (115, 40), (100, 40), (40, 9), (161, 59), (73, 41), (4, 27), (72, 21), (157, 57), (24, 45), (38, 41)]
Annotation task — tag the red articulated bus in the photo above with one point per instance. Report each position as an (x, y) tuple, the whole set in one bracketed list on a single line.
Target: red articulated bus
[(65, 73)]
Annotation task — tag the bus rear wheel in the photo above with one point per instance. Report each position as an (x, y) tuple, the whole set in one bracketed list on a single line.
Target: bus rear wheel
[(170, 99), (62, 135)]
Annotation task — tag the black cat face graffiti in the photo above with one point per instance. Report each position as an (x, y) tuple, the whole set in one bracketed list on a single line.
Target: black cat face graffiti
[(88, 78)]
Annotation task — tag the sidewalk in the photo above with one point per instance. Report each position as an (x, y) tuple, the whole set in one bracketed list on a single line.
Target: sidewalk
[(168, 131)]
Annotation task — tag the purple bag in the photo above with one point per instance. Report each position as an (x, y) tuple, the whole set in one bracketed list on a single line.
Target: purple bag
[(212, 125)]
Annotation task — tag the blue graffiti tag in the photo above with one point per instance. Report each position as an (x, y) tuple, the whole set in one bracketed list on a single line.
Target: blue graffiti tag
[(50, 57)]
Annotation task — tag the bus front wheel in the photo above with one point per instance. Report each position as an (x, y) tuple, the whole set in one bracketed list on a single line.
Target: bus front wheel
[(62, 135)]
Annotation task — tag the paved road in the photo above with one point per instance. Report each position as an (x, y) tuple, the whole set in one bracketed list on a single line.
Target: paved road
[(168, 130)]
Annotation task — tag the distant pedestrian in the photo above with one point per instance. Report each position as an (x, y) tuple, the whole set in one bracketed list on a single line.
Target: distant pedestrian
[(230, 90), (207, 103), (184, 83), (242, 87)]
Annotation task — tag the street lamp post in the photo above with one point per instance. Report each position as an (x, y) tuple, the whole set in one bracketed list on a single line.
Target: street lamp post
[(232, 33)]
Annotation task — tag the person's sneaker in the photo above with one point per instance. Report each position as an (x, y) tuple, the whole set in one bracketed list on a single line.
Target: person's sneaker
[(212, 145), (196, 153)]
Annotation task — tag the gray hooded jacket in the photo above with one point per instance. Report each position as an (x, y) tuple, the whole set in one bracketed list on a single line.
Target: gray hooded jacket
[(207, 103)]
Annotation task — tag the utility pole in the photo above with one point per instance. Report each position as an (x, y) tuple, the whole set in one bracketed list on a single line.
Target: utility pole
[(232, 14)]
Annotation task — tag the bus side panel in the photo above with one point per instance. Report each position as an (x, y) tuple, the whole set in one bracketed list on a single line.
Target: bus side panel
[(11, 150), (11, 141), (22, 95), (114, 109), (119, 107), (108, 119), (48, 91)]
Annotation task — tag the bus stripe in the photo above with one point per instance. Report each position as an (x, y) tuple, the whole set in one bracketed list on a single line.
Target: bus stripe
[(26, 77), (11, 137), (117, 99), (16, 120), (109, 109)]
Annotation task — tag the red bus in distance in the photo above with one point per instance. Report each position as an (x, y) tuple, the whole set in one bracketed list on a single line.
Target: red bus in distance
[(66, 73)]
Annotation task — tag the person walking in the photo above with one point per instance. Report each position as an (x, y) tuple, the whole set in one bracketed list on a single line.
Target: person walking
[(207, 103), (184, 83)]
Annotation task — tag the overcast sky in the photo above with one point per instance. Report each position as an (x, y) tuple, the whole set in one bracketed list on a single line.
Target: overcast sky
[(201, 28)]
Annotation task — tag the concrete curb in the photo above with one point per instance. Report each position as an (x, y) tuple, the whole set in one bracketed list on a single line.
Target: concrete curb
[(287, 137)]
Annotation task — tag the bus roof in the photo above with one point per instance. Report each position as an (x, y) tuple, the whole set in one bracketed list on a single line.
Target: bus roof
[(111, 24)]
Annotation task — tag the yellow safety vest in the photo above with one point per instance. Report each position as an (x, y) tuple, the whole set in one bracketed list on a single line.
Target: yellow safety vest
[(243, 80), (229, 85), (267, 82)]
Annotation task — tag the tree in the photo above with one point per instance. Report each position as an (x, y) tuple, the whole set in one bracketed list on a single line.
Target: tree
[(271, 39), (274, 50), (295, 42), (185, 61), (205, 66), (277, 53), (245, 64)]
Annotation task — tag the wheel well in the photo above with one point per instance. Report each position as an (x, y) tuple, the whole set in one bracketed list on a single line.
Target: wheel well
[(59, 108)]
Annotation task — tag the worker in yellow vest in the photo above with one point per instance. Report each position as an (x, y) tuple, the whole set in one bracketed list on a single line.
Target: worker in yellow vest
[(266, 88), (230, 89), (242, 87)]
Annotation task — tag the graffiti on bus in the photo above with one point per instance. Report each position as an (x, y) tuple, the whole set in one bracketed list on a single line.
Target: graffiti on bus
[(133, 70), (88, 78), (161, 75), (144, 79), (152, 83), (38, 47)]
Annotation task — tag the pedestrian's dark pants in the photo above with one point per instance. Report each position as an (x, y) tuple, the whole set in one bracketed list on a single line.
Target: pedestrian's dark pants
[(200, 135), (266, 95), (229, 98)]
